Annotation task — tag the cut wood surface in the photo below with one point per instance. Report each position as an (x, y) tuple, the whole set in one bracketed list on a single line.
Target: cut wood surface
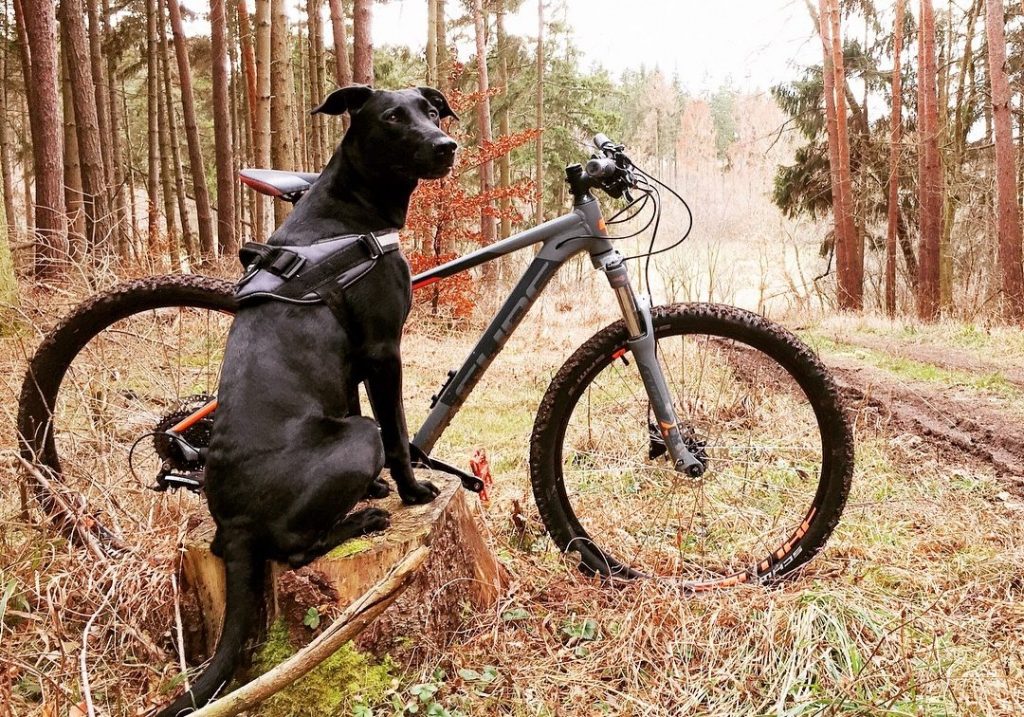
[(459, 570)]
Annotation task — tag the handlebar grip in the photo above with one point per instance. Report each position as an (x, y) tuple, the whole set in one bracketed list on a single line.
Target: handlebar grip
[(602, 168), (601, 141)]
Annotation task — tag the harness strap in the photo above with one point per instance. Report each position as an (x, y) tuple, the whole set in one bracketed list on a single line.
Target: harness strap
[(325, 271), (310, 273)]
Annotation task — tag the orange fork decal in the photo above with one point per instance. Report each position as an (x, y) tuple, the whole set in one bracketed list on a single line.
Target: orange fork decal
[(189, 421)]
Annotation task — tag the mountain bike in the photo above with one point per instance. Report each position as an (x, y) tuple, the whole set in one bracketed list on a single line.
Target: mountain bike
[(692, 442)]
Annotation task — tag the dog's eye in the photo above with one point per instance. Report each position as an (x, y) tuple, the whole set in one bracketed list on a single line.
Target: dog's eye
[(432, 113), (391, 116)]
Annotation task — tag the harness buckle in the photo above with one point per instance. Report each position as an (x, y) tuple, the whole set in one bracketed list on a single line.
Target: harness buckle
[(372, 245), (286, 264)]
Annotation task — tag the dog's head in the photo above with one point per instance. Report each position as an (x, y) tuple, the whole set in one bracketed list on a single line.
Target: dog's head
[(399, 130)]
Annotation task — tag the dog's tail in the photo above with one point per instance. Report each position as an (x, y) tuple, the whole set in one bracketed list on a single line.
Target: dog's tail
[(244, 575)]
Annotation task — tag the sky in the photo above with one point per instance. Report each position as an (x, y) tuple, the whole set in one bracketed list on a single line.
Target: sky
[(751, 43)]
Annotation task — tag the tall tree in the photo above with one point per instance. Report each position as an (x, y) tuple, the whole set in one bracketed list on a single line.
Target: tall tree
[(222, 148), (362, 41), (248, 63), (207, 246), (895, 137), (483, 117), (6, 161), (100, 96), (173, 185), (120, 215), (849, 255), (930, 183), (40, 69), (441, 49), (432, 43), (263, 100), (342, 68), (314, 59), (1011, 269), (87, 128), (283, 90), (166, 110), (504, 127), (538, 164), (153, 129), (72, 166)]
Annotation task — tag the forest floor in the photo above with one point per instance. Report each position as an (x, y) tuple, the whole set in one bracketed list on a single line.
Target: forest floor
[(913, 608)]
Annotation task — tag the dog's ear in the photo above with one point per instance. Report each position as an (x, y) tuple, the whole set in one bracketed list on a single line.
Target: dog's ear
[(439, 101), (348, 99)]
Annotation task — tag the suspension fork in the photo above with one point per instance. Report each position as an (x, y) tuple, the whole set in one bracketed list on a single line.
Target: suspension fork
[(636, 311)]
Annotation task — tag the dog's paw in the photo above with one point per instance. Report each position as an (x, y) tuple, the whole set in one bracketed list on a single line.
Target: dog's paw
[(379, 488), (375, 519), (421, 491)]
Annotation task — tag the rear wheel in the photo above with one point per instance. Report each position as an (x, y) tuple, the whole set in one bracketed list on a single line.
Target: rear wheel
[(125, 364), (755, 404)]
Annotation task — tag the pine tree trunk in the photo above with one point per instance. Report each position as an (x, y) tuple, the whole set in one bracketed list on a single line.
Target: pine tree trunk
[(6, 161), (851, 275), (188, 237), (248, 64), (282, 149), (120, 215), (304, 145), (1008, 223), (207, 246), (72, 166), (441, 39), (153, 130), (432, 43), (101, 99), (316, 84), (930, 167), (223, 150), (168, 184), (90, 141), (483, 116), (342, 68), (504, 164), (263, 100), (538, 211), (40, 69), (895, 137), (362, 40)]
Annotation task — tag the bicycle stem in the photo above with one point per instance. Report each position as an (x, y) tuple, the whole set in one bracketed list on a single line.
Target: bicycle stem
[(636, 312)]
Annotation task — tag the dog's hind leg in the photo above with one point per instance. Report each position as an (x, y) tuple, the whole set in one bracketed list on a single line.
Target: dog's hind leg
[(244, 575), (353, 525)]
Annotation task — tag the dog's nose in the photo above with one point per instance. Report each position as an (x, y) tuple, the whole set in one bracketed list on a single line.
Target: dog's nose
[(445, 147)]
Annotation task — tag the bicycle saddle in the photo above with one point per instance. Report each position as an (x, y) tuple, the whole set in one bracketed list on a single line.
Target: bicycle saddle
[(278, 183)]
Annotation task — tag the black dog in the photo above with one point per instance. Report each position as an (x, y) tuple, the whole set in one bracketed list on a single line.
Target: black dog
[(290, 456)]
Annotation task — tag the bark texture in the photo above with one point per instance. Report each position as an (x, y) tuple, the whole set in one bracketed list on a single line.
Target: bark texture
[(930, 183), (207, 245), (1011, 270)]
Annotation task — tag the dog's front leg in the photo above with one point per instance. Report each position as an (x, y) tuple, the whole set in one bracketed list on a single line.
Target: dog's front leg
[(384, 378)]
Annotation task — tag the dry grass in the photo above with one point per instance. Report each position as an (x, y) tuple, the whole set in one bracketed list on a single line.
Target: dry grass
[(914, 608)]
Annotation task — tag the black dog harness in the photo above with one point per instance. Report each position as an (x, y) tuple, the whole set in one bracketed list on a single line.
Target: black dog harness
[(310, 274)]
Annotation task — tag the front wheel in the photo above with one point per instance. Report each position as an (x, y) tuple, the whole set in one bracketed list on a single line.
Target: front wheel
[(757, 407)]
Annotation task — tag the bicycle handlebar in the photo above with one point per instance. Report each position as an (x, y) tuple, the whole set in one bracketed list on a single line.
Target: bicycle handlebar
[(602, 168), (602, 142)]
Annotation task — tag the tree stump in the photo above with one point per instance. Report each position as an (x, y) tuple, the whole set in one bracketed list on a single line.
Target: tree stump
[(461, 572)]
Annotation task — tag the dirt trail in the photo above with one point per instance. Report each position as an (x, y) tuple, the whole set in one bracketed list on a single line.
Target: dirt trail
[(963, 427), (942, 356)]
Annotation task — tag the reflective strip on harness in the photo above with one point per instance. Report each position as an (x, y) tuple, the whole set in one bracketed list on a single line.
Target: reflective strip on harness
[(309, 274)]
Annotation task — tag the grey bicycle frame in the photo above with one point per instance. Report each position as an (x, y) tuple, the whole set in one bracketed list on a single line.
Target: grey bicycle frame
[(582, 230)]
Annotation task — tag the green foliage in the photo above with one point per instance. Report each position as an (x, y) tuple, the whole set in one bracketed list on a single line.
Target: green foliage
[(338, 684)]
